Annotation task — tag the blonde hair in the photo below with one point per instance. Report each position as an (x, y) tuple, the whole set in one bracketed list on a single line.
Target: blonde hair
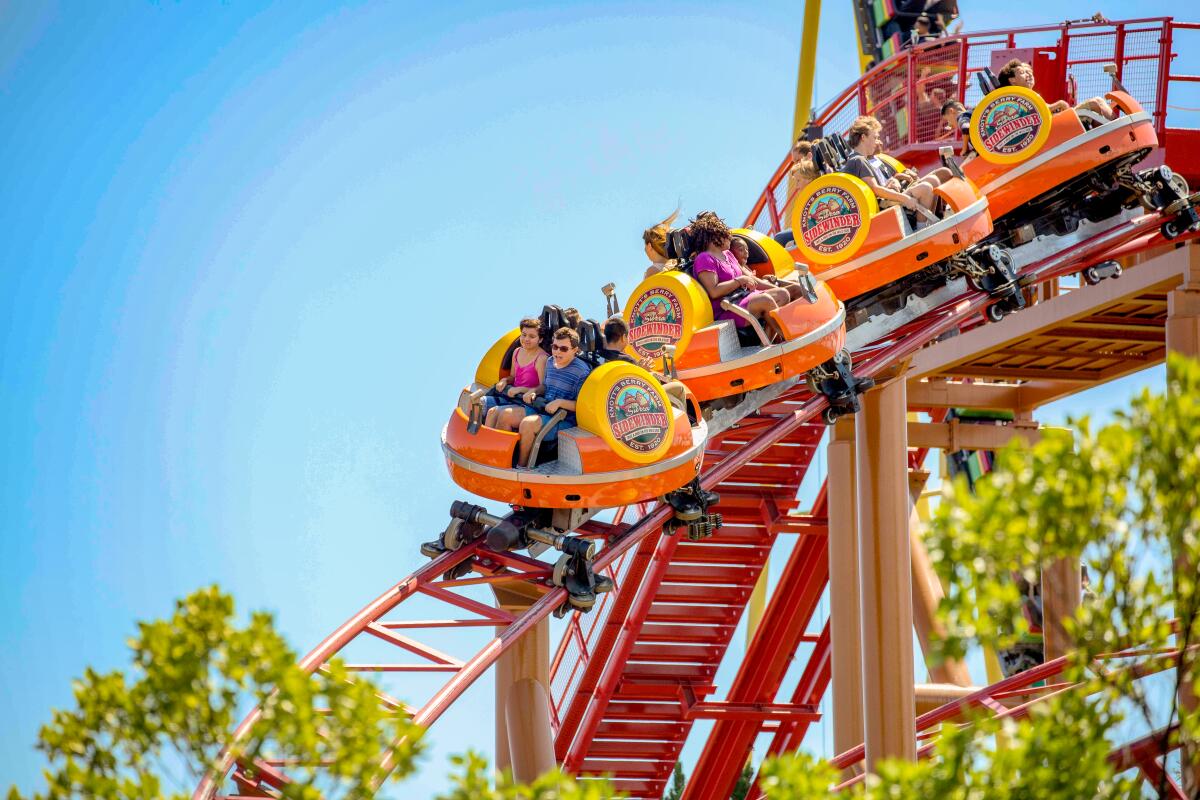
[(656, 236), (805, 170)]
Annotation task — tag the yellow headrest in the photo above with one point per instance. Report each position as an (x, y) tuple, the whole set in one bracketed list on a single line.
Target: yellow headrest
[(781, 261), (489, 371)]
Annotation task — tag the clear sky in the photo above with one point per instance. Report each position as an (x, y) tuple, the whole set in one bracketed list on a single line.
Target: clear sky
[(250, 253)]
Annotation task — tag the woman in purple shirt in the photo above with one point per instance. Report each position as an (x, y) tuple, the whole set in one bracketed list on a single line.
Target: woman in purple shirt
[(720, 274)]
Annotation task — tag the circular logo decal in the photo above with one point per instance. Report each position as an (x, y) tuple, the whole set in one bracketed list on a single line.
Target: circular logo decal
[(829, 220), (1008, 124), (655, 321), (636, 415)]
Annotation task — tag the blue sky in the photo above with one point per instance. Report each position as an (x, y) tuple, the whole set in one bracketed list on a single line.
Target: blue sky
[(251, 252)]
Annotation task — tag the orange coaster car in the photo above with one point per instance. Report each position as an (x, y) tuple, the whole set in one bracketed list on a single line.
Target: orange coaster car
[(874, 258), (630, 444), (1044, 173), (671, 313)]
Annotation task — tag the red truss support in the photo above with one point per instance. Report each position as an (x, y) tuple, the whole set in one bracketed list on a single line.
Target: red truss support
[(630, 679), (636, 709)]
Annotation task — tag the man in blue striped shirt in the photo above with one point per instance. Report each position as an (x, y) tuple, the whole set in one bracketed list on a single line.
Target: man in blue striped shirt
[(565, 374)]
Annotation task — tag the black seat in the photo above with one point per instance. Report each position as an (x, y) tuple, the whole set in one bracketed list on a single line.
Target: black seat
[(829, 154), (839, 144), (551, 319), (679, 245), (591, 334), (988, 82), (757, 254)]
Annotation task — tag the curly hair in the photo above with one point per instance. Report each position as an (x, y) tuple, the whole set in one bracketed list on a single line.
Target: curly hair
[(860, 128), (1009, 71), (707, 228), (656, 235)]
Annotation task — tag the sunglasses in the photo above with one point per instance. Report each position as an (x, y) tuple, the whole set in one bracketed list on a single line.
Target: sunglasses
[(561, 348)]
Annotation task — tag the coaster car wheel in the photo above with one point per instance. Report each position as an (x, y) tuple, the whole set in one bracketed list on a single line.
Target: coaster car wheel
[(559, 575), (452, 536), (1097, 272)]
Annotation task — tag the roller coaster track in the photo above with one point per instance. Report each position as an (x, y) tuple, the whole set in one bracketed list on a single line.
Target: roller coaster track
[(644, 672), (629, 680)]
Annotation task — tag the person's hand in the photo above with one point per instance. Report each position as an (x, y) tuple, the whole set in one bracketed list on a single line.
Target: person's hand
[(553, 406), (500, 384), (745, 281), (529, 397), (909, 202), (513, 391)]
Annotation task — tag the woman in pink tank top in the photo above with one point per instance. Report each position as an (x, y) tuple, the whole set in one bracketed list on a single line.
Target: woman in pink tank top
[(528, 373)]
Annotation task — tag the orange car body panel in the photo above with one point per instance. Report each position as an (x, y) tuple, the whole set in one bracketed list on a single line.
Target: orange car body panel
[(880, 262), (619, 482), (701, 368), (1046, 169)]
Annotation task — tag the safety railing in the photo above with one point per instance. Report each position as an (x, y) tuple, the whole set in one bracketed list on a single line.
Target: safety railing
[(906, 92)]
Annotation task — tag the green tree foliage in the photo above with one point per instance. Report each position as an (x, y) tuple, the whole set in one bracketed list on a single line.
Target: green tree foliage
[(152, 731), (472, 780), (1123, 501), (744, 782), (675, 790)]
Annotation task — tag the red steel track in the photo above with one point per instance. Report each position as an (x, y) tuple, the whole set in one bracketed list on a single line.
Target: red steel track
[(654, 645), (630, 679)]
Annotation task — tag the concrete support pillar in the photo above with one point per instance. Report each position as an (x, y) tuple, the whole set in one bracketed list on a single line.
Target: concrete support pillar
[(524, 736), (1183, 336), (844, 616), (1062, 586), (927, 594), (935, 695), (881, 440)]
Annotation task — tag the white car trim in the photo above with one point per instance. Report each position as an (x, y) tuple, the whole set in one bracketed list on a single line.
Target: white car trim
[(768, 353)]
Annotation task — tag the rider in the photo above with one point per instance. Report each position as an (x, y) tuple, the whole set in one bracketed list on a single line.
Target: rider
[(616, 342), (565, 374), (721, 275), (863, 138), (655, 240), (1018, 73), (528, 369)]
